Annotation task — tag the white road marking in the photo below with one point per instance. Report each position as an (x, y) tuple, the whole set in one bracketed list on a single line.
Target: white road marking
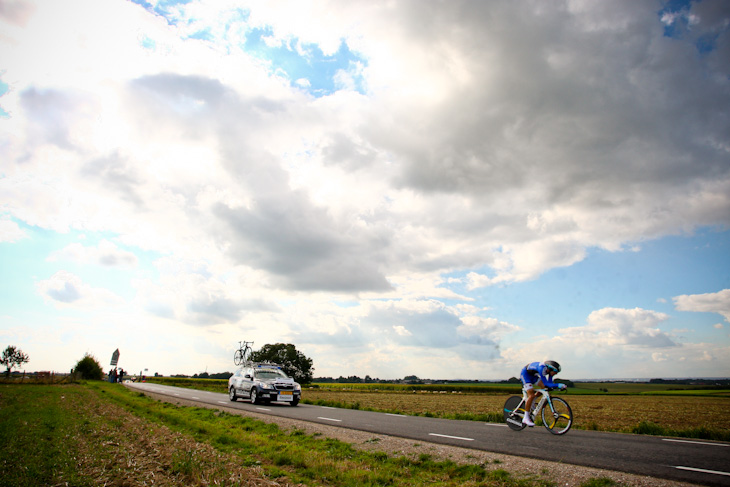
[(221, 402), (177, 394), (194, 397), (330, 419), (399, 415), (496, 424), (695, 442), (263, 409), (453, 437), (702, 470), (327, 407)]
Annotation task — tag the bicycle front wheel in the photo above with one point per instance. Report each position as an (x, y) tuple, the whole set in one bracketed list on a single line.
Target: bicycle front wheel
[(559, 419), (238, 357), (513, 413)]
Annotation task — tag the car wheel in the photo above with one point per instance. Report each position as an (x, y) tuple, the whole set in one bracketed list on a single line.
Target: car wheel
[(232, 394), (254, 396), (294, 402)]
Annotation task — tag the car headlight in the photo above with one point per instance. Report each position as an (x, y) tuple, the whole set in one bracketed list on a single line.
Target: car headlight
[(297, 387), (265, 385)]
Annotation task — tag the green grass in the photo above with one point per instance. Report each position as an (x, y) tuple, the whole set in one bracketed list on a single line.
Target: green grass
[(599, 482), (301, 457), (211, 385), (37, 436), (488, 417), (649, 428), (644, 388)]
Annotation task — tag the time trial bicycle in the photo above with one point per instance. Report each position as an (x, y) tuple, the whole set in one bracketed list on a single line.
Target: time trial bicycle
[(555, 413), (241, 355)]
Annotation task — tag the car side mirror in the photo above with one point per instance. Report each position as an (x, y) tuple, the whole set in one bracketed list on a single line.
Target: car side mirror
[(248, 376)]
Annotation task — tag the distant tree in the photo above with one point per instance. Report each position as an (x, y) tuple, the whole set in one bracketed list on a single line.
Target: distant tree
[(292, 361), (13, 357), (88, 368)]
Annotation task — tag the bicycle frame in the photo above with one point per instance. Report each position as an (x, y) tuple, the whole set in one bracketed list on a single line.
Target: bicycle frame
[(540, 403), (551, 415)]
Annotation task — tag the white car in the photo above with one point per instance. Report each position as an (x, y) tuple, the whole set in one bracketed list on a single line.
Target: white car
[(263, 383)]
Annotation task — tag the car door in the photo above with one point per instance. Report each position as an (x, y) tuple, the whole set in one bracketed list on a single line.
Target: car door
[(236, 381), (247, 381)]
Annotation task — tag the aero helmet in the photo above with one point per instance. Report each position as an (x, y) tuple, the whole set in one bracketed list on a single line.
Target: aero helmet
[(553, 365)]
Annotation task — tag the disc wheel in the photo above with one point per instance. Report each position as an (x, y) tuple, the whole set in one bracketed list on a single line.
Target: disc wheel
[(512, 415), (558, 420)]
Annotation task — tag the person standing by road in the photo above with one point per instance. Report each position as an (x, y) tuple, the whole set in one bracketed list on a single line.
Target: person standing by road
[(540, 373)]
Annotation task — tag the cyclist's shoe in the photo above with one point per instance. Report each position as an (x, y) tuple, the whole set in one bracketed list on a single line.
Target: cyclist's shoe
[(527, 421)]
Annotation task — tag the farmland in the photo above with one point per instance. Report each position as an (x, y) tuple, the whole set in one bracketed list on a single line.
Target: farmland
[(597, 412)]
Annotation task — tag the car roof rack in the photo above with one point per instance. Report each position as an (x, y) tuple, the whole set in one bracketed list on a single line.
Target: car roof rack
[(262, 365)]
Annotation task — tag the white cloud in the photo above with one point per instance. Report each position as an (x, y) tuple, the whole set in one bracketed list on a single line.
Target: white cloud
[(489, 198), (498, 140), (612, 327), (197, 295), (587, 355), (68, 290), (718, 302), (402, 331), (106, 254), (659, 357), (10, 231)]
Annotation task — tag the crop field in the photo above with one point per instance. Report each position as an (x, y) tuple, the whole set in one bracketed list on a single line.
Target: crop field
[(596, 412)]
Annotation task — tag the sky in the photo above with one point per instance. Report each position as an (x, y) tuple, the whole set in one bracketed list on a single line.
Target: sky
[(442, 189)]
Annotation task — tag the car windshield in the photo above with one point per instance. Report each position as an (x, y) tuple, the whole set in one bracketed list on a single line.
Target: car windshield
[(270, 374)]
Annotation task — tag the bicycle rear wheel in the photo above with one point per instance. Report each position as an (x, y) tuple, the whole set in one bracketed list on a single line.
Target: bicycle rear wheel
[(558, 420), (513, 413), (238, 357)]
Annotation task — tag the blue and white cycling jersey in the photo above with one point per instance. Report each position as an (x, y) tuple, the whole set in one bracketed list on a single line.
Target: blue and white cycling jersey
[(535, 371)]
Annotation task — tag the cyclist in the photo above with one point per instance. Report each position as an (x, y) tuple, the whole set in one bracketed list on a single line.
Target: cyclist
[(542, 374)]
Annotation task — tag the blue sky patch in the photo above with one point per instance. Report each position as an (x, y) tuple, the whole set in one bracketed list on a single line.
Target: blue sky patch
[(302, 62), (148, 43), (678, 25), (4, 87), (164, 8)]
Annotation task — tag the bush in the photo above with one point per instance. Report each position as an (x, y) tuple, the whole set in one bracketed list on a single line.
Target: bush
[(88, 368)]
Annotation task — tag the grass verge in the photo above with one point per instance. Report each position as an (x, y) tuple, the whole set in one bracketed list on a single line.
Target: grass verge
[(37, 436), (304, 458)]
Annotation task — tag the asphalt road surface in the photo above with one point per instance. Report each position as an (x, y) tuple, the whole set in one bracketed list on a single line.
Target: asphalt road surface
[(696, 461)]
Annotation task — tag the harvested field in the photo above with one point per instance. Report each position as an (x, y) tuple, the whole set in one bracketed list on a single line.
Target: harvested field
[(603, 413)]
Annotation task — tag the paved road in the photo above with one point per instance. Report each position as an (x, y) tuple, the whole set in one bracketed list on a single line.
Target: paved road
[(695, 461)]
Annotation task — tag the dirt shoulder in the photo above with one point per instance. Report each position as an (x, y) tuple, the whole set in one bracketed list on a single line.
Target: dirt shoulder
[(559, 473)]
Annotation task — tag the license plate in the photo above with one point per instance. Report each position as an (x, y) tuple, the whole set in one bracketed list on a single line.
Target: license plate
[(286, 396)]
